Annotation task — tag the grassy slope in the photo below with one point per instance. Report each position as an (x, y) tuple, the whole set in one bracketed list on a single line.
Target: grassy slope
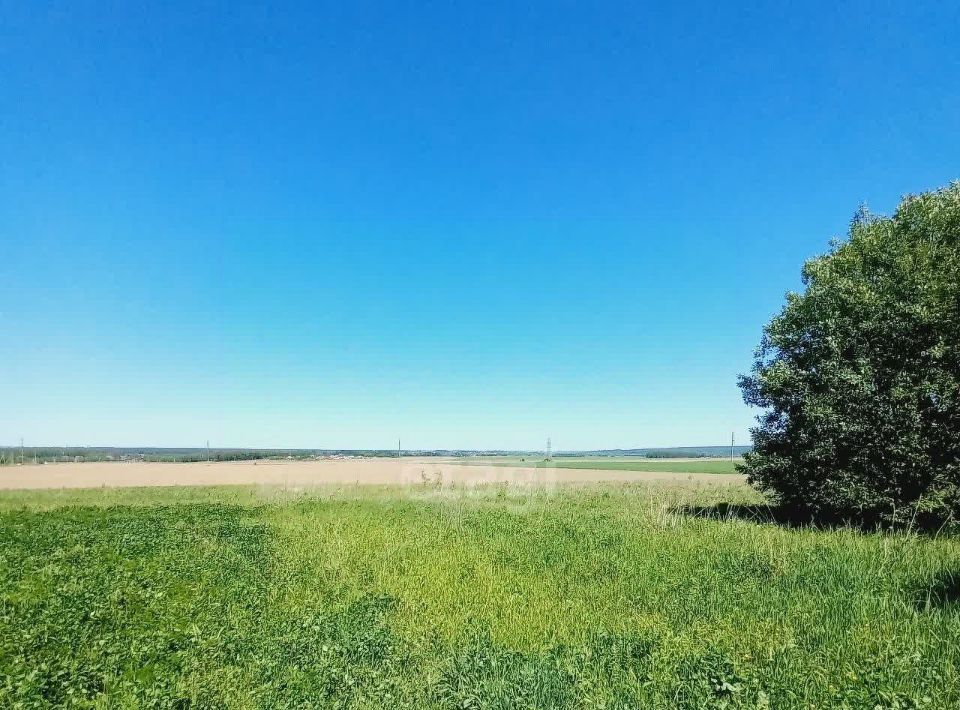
[(615, 464), (711, 466), (599, 597)]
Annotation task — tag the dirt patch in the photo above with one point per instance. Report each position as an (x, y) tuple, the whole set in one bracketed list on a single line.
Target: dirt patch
[(312, 473)]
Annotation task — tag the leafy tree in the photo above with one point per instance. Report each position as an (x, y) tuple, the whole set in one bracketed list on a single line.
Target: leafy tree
[(859, 375)]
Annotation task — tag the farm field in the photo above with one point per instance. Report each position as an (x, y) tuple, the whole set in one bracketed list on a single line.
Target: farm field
[(609, 463), (600, 595), (371, 471)]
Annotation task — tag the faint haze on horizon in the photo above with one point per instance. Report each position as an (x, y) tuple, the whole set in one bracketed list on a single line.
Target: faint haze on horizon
[(464, 226)]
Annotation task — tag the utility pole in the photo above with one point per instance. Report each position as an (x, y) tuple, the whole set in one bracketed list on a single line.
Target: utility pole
[(208, 450), (21, 451), (731, 445), (398, 449)]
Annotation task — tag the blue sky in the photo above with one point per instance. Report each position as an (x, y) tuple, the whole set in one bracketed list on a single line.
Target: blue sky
[(459, 224)]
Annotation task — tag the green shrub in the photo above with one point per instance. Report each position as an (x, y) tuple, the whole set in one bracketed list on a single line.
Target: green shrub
[(859, 375)]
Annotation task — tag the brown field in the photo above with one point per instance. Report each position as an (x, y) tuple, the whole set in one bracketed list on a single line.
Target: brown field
[(314, 473)]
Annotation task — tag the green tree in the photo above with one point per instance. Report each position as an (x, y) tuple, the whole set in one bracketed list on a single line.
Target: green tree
[(859, 375)]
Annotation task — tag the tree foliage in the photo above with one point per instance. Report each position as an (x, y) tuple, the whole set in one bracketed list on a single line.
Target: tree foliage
[(859, 375)]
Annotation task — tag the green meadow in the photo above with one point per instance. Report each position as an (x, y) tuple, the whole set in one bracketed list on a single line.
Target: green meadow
[(498, 597), (707, 466), (609, 463)]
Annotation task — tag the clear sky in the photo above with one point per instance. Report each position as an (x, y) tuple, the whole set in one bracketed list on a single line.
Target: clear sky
[(460, 224)]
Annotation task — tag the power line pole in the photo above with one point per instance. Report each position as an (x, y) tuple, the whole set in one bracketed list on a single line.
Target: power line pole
[(731, 445)]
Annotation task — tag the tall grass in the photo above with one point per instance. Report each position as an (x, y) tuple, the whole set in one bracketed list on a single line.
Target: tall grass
[(493, 597)]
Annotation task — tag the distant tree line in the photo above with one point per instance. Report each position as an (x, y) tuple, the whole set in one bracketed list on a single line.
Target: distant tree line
[(51, 454)]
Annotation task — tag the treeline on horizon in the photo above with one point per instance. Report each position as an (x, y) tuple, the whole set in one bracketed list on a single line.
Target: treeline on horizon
[(60, 454), (674, 452), (12, 455)]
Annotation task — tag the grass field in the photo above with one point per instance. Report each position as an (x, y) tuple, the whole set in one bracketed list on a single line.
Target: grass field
[(600, 597), (606, 463)]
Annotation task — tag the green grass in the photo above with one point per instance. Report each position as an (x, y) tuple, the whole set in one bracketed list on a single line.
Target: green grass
[(615, 464), (496, 597), (711, 466)]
